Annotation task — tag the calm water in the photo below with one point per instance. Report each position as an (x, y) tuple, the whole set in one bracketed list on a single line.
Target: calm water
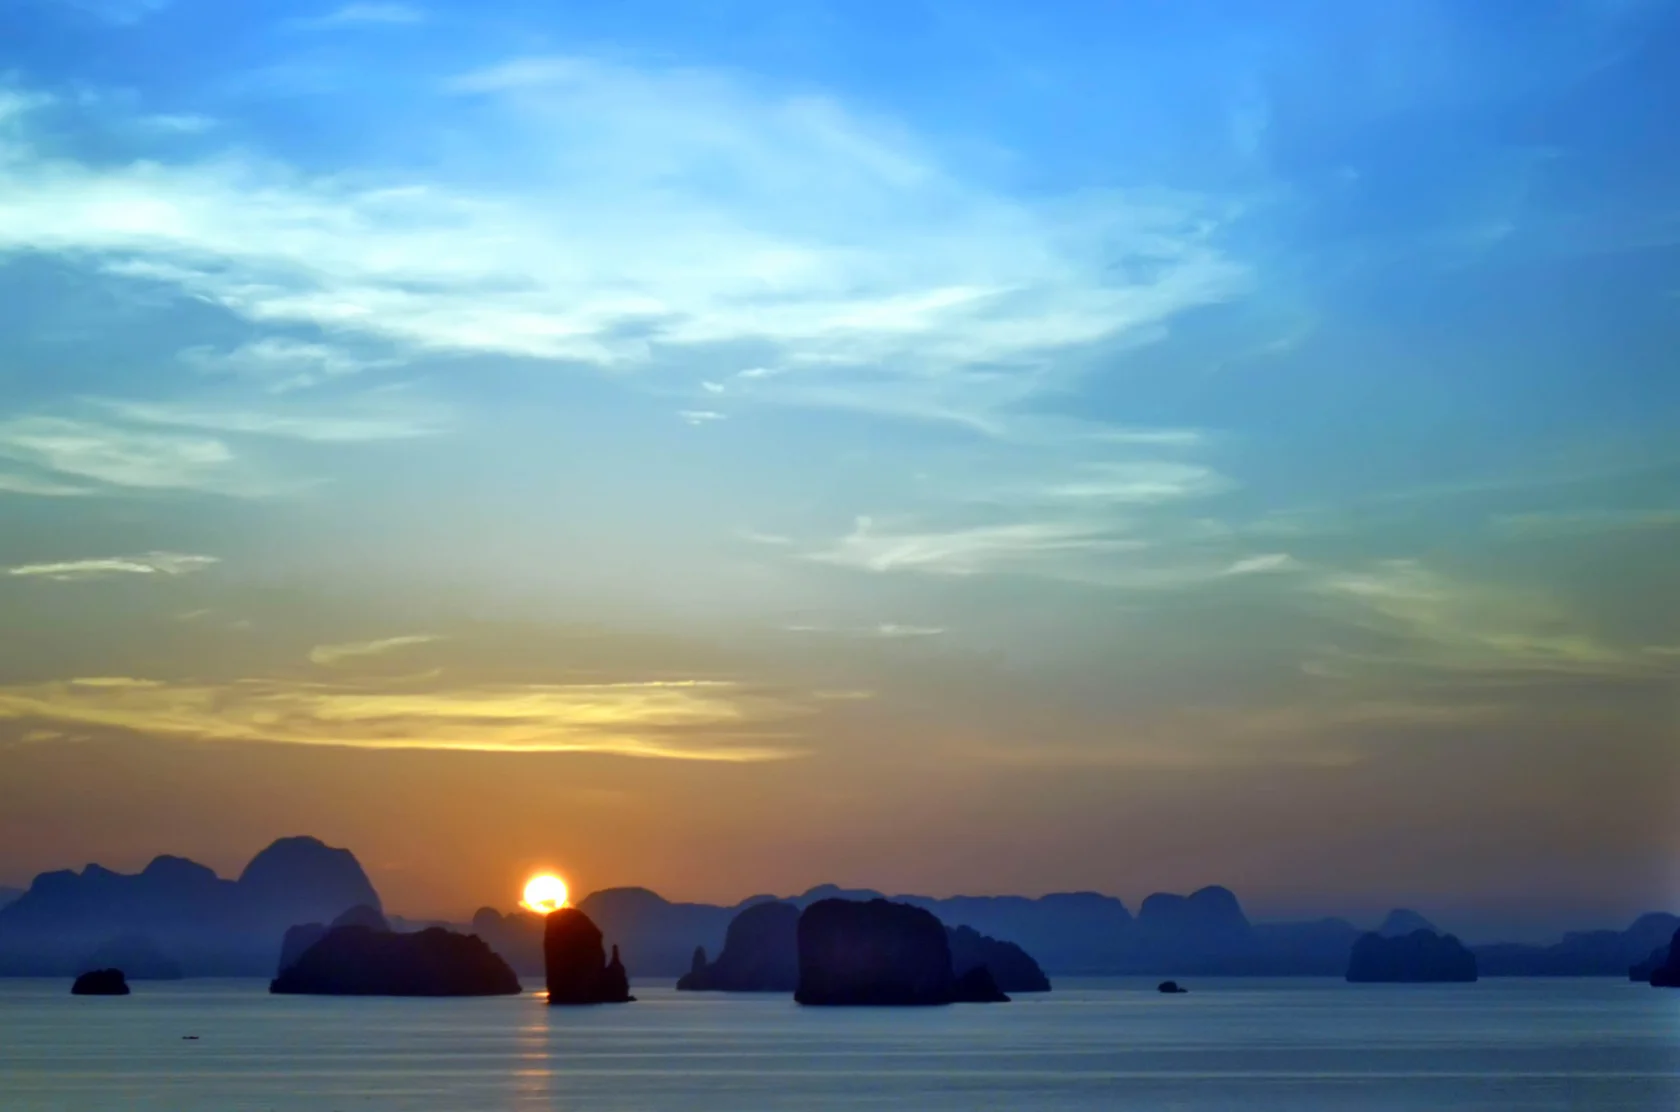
[(1300, 1044)]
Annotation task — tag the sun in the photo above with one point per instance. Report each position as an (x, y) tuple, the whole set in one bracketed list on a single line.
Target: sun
[(544, 893)]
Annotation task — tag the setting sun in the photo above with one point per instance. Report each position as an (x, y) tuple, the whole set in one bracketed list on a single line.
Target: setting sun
[(545, 893)]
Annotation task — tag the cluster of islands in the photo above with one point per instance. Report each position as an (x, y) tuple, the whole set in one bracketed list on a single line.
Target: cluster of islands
[(305, 915)]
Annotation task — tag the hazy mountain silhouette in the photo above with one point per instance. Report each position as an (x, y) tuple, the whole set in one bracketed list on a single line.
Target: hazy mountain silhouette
[(7, 894), (1581, 953), (1402, 921), (204, 923), (1420, 957), (137, 956)]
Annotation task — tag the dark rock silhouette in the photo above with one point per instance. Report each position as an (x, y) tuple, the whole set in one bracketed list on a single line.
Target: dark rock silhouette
[(1602, 953), (1011, 968), (1402, 921), (1667, 975), (1171, 988), (8, 894), (878, 953), (211, 926), (760, 954), (578, 971), (363, 961), (1416, 958), (137, 956), (100, 982), (976, 986), (300, 938)]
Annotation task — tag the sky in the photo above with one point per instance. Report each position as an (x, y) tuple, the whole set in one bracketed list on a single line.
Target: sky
[(944, 447)]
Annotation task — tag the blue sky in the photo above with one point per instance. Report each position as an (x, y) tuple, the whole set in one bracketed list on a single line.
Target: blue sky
[(1134, 426)]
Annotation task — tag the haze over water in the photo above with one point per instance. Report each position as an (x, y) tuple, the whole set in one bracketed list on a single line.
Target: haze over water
[(1289, 1046)]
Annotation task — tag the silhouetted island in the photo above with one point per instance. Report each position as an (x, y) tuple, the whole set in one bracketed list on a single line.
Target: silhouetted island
[(1171, 988), (578, 970), (881, 953), (1667, 975), (364, 961), (760, 954), (1011, 968), (1417, 958), (100, 982), (300, 938)]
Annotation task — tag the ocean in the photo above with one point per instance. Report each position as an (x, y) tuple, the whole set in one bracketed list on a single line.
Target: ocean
[(1252, 1045)]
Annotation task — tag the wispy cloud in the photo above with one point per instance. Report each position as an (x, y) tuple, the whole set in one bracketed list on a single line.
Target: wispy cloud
[(149, 563), (328, 655), (837, 241), (701, 416), (1436, 625), (704, 721), (1140, 482), (338, 424), (117, 11), (282, 364), (363, 15), (891, 631), (1020, 547), (120, 457)]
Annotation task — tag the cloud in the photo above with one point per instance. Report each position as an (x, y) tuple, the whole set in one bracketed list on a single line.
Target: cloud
[(690, 720), (13, 483), (1266, 562), (887, 630), (363, 15), (119, 457), (662, 209), (184, 124), (120, 12), (701, 416), (282, 364), (1140, 482), (336, 425), (1433, 625), (149, 563), (1020, 547), (329, 655)]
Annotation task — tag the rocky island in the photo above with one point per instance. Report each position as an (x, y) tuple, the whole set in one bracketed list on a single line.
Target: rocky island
[(760, 954), (1667, 974), (100, 982), (1421, 957), (365, 961), (578, 969), (881, 953)]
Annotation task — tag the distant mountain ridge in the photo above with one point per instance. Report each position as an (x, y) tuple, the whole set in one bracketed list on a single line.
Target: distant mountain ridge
[(209, 925), (182, 910)]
